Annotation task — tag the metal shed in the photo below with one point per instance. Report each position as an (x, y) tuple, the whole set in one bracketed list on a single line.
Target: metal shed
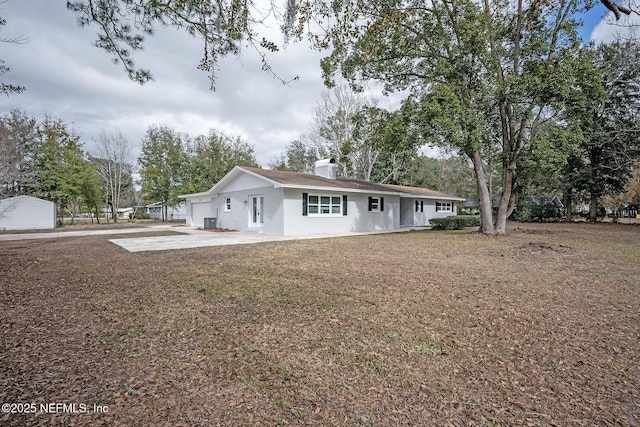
[(26, 212)]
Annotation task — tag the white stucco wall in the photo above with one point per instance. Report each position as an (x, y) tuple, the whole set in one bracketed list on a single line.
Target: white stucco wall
[(358, 217), (430, 211), (409, 216), (25, 213), (239, 217), (243, 181), (422, 218)]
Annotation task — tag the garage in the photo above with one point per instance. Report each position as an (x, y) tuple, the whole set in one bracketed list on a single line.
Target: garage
[(27, 213), (199, 211)]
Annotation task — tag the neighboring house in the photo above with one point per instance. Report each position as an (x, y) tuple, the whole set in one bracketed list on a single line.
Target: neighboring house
[(177, 212), (290, 203), (122, 213), (26, 212), (471, 207), (125, 213)]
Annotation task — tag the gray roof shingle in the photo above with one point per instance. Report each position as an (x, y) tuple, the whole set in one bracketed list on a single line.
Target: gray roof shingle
[(309, 180)]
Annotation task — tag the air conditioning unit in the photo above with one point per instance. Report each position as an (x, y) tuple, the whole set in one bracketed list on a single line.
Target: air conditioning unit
[(210, 223)]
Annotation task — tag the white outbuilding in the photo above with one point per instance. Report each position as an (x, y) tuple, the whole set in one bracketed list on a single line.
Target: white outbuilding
[(26, 213)]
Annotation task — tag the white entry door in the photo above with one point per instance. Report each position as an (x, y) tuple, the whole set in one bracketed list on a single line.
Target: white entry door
[(257, 207)]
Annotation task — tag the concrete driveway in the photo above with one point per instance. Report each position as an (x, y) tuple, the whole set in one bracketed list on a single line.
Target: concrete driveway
[(193, 238), (187, 237), (76, 233)]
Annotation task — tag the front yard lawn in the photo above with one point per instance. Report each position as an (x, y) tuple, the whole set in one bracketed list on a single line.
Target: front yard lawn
[(540, 327)]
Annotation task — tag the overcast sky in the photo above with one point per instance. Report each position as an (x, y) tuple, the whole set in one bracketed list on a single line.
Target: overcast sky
[(68, 78)]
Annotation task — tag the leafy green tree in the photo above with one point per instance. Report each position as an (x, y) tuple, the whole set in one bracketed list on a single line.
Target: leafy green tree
[(481, 75), (19, 134), (225, 26), (605, 119), (61, 167), (631, 194), (210, 157), (92, 195), (297, 157), (457, 177), (424, 171), (162, 163), (452, 175), (45, 159), (386, 145), (546, 164)]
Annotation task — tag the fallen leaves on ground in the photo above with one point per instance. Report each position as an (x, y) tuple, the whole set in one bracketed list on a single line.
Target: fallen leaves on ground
[(539, 327)]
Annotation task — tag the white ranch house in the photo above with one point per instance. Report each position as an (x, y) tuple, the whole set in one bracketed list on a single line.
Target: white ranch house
[(290, 203)]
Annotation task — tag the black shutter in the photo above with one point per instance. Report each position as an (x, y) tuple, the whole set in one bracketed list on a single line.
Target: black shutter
[(370, 203), (421, 205), (344, 204), (381, 204), (417, 206), (305, 198)]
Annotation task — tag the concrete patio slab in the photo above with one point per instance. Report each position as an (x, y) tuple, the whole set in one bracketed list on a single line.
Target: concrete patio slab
[(194, 238), (191, 240), (188, 237)]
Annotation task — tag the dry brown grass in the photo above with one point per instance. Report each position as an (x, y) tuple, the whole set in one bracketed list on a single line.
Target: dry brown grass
[(426, 328)]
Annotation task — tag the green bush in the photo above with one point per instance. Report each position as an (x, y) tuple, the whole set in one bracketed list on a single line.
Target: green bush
[(455, 222), (140, 214), (538, 212)]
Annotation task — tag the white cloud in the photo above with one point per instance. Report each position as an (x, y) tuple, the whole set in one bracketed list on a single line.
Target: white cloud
[(608, 29), (67, 77)]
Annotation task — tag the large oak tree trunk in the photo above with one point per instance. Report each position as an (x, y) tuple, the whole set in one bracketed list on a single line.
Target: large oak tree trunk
[(593, 207), (484, 197), (568, 205), (507, 201)]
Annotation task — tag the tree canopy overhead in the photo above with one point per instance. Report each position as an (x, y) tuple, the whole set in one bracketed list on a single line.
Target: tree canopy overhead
[(223, 26), (226, 26), (5, 88)]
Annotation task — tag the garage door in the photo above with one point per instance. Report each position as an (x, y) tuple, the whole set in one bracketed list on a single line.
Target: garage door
[(200, 211)]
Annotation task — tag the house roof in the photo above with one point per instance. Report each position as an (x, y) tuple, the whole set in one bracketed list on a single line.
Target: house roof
[(291, 179), (420, 191), (304, 180)]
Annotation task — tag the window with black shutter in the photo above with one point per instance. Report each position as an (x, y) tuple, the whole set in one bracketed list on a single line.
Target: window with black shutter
[(323, 205), (376, 204)]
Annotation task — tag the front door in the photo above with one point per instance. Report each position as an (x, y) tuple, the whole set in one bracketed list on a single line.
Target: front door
[(257, 207)]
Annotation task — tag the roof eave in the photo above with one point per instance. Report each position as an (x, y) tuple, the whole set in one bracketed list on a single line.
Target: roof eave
[(228, 177), (434, 197), (194, 195), (339, 189)]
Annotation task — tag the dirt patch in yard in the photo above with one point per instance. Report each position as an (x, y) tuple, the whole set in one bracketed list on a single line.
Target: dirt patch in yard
[(418, 328)]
